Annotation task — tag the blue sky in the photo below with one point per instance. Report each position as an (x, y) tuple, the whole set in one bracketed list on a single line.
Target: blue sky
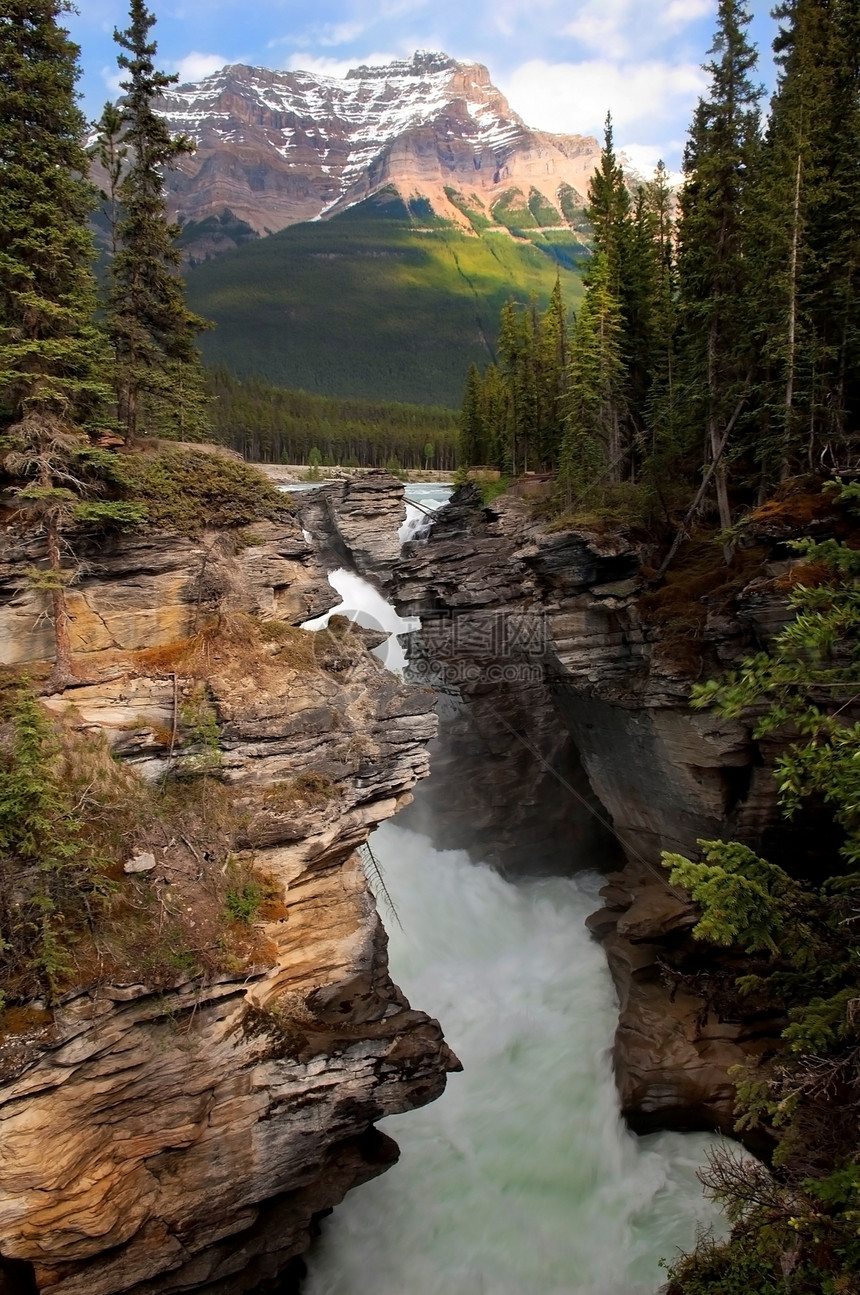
[(561, 63)]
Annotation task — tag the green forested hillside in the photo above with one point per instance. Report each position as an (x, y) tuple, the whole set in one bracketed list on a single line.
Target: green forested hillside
[(269, 424), (379, 303)]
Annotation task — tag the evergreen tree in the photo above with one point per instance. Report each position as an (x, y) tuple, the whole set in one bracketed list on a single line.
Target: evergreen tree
[(552, 349), (608, 210), (592, 445), (110, 153), (624, 232), (495, 410), (662, 438), (639, 303), (150, 325), (50, 349), (712, 267), (809, 234), (176, 403), (794, 1231), (518, 356), (471, 449)]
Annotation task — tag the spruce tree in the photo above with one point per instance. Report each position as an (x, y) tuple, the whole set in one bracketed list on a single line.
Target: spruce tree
[(51, 353), (592, 445), (623, 240), (662, 439), (495, 417), (150, 324), (712, 262), (49, 346), (809, 215), (471, 441), (518, 356), (608, 210), (553, 355), (110, 154)]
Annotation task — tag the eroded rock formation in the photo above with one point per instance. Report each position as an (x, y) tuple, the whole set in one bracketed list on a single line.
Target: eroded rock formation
[(501, 595), (185, 1139), (354, 523)]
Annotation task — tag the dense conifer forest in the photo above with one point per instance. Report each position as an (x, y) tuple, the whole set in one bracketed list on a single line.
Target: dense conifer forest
[(269, 424), (720, 333)]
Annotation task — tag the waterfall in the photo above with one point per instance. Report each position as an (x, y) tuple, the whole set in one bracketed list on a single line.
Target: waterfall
[(421, 502), (522, 1177)]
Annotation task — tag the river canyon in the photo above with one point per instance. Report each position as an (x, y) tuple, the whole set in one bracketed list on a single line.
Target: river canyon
[(564, 757)]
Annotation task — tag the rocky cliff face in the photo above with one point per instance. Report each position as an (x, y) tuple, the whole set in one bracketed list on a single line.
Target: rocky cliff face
[(355, 523), (557, 651), (276, 148), (185, 1139)]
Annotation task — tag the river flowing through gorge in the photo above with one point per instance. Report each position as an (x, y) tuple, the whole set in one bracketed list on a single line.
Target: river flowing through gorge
[(522, 1177)]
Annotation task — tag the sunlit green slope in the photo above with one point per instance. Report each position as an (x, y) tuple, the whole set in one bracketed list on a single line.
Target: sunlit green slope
[(381, 302)]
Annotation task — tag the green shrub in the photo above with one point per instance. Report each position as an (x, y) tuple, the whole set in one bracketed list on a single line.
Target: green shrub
[(243, 903), (189, 490)]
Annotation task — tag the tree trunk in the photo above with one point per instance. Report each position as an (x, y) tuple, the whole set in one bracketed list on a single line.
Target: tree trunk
[(63, 672), (785, 468), (714, 442), (700, 494)]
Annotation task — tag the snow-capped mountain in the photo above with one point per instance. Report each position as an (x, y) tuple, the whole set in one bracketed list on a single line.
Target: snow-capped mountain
[(276, 148)]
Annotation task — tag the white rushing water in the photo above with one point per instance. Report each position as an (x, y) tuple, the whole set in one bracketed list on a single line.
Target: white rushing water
[(364, 605), (522, 1177), (422, 500)]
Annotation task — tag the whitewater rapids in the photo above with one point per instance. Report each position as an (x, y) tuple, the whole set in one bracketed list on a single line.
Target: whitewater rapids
[(522, 1179)]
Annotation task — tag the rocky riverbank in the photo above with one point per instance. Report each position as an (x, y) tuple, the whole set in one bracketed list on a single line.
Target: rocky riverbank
[(185, 1135)]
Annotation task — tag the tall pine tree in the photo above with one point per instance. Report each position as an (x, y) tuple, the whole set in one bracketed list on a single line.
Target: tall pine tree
[(592, 447), (49, 347), (51, 353), (712, 265), (808, 211), (553, 357), (151, 327), (661, 447)]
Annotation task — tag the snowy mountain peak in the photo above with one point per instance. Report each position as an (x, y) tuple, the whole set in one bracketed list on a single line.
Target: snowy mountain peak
[(278, 147)]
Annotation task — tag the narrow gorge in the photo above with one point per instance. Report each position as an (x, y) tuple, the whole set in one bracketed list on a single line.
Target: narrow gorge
[(203, 1121)]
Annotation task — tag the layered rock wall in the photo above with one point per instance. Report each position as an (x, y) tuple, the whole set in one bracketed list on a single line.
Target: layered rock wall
[(611, 696), (355, 522), (185, 1139)]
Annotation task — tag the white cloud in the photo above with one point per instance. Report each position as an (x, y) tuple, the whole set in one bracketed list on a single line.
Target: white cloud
[(681, 12), (112, 77), (625, 28), (400, 8), (341, 33), (335, 67), (603, 26), (195, 66), (575, 97), (644, 158)]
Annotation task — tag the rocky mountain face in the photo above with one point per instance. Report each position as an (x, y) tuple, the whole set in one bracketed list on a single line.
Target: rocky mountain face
[(554, 659), (185, 1138), (277, 148)]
